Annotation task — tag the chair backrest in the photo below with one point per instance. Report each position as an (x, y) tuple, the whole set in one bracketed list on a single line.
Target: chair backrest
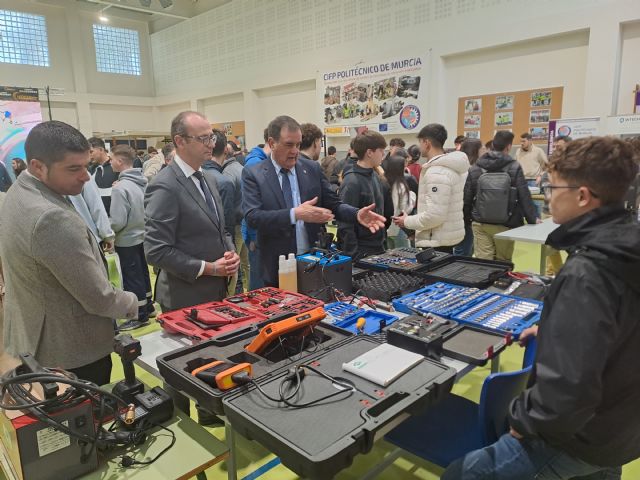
[(498, 390), (529, 352)]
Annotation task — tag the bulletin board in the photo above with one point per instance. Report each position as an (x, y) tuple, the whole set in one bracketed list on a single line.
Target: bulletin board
[(480, 116), (234, 131)]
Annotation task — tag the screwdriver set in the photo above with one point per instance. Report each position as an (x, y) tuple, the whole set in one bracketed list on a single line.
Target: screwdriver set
[(346, 316), (273, 302), (491, 311)]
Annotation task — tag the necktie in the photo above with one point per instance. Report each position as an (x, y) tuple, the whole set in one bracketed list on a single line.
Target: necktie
[(286, 188), (207, 194)]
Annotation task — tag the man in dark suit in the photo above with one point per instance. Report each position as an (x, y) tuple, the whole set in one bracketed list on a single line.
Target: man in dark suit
[(185, 233), (287, 199)]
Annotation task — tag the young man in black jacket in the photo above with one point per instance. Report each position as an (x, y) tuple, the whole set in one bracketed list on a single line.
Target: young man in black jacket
[(361, 186), (579, 417), (498, 160)]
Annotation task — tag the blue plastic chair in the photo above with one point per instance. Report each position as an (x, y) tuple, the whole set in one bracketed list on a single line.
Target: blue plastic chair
[(529, 352), (457, 426)]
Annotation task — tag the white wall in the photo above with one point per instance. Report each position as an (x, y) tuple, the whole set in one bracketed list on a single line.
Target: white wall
[(106, 118), (164, 114), (298, 100), (225, 108), (630, 67)]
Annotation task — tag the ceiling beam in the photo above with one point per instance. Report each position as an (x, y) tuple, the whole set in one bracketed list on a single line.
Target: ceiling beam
[(138, 9)]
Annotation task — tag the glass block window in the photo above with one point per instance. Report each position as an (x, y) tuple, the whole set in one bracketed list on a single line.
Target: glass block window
[(23, 39), (117, 49)]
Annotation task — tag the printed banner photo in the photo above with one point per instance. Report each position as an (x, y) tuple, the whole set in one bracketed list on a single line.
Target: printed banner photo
[(19, 113), (388, 96)]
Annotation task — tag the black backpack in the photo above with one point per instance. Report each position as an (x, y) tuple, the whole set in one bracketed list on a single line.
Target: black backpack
[(495, 197)]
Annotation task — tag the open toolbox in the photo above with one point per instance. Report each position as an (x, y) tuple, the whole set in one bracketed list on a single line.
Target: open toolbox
[(305, 439), (466, 271), (219, 320), (401, 259), (345, 316), (386, 285), (273, 302), (488, 310), (176, 366)]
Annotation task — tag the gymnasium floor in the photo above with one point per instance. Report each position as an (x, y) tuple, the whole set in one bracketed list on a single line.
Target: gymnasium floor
[(253, 458)]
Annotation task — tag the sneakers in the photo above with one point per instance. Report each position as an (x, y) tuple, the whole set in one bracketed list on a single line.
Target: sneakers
[(151, 310), (131, 325)]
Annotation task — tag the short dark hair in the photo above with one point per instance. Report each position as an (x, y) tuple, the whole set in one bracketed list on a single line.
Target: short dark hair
[(368, 140), (96, 142), (526, 135), (167, 149), (50, 141), (221, 143), (501, 140), (125, 153), (414, 152), (152, 150), (234, 146), (265, 134), (277, 124), (396, 142), (310, 133), (489, 145), (435, 133), (331, 150), (459, 139), (564, 138), (178, 126), (605, 165)]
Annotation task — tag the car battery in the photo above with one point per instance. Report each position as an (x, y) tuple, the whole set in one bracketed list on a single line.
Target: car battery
[(273, 303), (33, 450), (210, 320), (320, 273)]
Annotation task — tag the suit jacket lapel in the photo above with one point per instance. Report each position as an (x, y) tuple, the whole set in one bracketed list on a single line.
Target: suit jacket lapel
[(272, 180), (302, 175), (190, 187)]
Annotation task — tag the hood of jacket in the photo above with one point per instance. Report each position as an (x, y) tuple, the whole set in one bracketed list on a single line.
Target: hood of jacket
[(493, 161), (212, 165), (256, 155), (456, 161), (135, 175), (358, 170), (609, 236)]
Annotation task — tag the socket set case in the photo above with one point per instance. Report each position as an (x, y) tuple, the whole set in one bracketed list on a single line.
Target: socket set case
[(466, 271), (488, 310), (273, 302), (387, 285), (319, 441), (398, 259), (345, 316), (176, 367)]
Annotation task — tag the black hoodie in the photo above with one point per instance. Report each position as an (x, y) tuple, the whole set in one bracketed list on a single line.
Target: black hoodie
[(493, 161), (584, 392)]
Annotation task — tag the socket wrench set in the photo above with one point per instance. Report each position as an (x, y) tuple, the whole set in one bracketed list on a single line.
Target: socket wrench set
[(346, 315), (491, 311), (398, 259), (273, 302)]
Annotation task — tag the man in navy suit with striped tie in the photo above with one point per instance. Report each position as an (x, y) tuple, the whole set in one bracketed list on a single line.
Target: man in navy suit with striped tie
[(287, 199)]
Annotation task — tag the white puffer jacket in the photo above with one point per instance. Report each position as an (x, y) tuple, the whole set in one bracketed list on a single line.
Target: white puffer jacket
[(439, 221)]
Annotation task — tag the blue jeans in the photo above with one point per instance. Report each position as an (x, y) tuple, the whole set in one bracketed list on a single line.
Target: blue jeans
[(465, 247), (532, 458), (255, 270)]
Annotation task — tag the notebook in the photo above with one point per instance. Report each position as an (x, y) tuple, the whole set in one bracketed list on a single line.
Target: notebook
[(383, 364)]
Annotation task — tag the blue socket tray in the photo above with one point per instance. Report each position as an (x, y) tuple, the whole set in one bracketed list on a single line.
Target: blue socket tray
[(345, 316), (492, 311)]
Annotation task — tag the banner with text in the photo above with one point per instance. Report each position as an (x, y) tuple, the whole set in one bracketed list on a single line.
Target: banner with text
[(386, 96), (19, 112)]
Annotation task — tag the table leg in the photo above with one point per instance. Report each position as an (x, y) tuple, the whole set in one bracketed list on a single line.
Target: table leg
[(543, 259), (495, 364), (231, 443)]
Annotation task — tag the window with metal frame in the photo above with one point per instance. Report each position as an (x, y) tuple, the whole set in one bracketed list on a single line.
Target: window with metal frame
[(23, 38), (117, 50)]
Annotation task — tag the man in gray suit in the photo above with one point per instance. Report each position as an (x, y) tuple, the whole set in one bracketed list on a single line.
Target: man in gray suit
[(59, 304), (185, 233)]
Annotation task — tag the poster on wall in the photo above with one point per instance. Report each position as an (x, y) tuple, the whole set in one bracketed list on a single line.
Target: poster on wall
[(234, 131), (473, 105), (539, 116), (472, 121), (541, 99), (19, 113), (387, 96), (574, 128), (504, 119), (504, 102)]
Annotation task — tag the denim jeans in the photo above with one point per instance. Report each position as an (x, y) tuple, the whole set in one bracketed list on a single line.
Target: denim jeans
[(512, 459), (255, 270), (465, 247)]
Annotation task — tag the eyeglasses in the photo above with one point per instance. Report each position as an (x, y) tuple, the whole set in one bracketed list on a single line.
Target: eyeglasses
[(547, 188), (203, 139)]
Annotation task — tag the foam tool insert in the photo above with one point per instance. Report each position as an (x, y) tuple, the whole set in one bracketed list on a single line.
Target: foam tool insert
[(398, 259), (491, 311), (209, 320), (466, 271), (273, 302), (357, 320), (387, 285)]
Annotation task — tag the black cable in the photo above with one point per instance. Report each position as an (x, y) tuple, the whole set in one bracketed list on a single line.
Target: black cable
[(127, 460)]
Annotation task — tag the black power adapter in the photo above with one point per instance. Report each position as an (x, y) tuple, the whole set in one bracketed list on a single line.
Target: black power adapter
[(154, 407)]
